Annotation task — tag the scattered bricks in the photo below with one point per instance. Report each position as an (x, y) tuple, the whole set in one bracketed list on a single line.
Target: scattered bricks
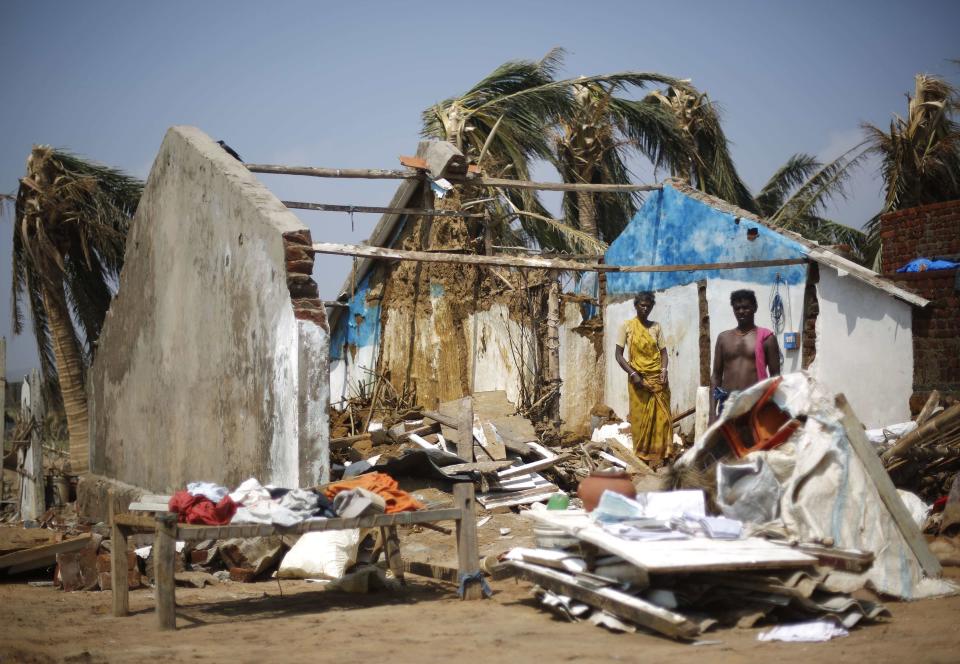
[(242, 574), (104, 580), (78, 571), (199, 557)]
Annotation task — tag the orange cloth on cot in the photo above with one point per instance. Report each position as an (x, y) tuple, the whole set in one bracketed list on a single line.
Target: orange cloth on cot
[(381, 484)]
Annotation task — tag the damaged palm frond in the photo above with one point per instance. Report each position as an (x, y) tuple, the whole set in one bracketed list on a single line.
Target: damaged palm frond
[(572, 236), (514, 116), (920, 154), (703, 157), (593, 142), (69, 235), (797, 193)]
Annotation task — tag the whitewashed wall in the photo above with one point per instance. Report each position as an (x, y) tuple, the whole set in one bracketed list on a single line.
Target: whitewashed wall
[(677, 312), (504, 352), (580, 370), (864, 348), (721, 313), (346, 375)]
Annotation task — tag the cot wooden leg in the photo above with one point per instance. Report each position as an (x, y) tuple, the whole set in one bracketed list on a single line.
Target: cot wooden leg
[(468, 554), (391, 548), (164, 550), (119, 576)]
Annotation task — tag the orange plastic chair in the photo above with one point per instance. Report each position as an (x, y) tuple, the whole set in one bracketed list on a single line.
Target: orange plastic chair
[(765, 427)]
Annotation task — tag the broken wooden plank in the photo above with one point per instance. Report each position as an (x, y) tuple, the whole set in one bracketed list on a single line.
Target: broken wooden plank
[(465, 429), (478, 466), (17, 539), (494, 500), (42, 556), (532, 467), (888, 493), (615, 602), (486, 435)]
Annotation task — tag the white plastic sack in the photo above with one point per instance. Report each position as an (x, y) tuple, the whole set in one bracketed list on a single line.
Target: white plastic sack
[(321, 555), (915, 505)]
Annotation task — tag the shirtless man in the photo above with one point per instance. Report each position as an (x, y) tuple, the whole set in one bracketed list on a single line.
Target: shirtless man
[(735, 365)]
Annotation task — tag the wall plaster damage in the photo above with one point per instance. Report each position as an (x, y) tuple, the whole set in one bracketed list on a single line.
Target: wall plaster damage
[(213, 361)]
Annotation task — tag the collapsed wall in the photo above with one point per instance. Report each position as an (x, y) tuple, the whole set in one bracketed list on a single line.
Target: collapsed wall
[(213, 360)]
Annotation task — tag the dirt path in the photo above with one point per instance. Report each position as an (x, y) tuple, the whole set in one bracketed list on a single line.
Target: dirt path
[(423, 623)]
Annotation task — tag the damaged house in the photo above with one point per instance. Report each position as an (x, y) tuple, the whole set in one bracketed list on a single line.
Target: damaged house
[(445, 330), (212, 362)]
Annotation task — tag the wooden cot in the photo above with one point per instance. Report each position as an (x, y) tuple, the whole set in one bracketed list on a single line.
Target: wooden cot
[(168, 532)]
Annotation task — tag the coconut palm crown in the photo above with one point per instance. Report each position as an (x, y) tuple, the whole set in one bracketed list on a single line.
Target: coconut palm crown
[(70, 227)]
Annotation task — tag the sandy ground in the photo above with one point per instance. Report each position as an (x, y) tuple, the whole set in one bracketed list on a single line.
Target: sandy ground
[(423, 622)]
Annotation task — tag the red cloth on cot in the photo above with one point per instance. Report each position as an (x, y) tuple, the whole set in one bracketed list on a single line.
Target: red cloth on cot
[(758, 355), (381, 484), (202, 510)]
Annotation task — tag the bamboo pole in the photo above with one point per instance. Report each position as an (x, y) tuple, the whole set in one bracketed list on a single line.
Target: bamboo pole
[(320, 172), (411, 174), (329, 207), (533, 262), (562, 186), (934, 428)]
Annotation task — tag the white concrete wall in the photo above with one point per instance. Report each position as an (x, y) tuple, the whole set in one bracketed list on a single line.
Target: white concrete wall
[(864, 348), (199, 372), (505, 352), (347, 375), (677, 312), (721, 314), (581, 370)]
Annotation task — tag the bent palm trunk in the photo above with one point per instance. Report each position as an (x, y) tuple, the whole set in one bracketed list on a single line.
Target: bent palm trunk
[(70, 375)]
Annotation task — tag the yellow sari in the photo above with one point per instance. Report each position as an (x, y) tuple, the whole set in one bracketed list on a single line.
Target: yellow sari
[(650, 419)]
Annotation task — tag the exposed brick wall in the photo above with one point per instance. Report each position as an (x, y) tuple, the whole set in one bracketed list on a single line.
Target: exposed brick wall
[(811, 311), (298, 247), (929, 231)]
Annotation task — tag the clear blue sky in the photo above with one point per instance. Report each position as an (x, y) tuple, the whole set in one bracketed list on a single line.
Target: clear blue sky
[(343, 84)]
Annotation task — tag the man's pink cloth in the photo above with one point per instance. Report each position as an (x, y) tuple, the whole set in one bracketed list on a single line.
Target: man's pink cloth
[(758, 355)]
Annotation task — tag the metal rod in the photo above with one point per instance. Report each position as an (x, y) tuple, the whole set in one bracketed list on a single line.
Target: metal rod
[(329, 207)]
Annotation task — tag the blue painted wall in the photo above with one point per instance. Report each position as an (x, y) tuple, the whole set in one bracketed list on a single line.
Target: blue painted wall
[(359, 325), (672, 228)]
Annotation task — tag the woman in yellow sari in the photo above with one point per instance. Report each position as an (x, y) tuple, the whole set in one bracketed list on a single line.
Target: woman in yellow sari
[(650, 420)]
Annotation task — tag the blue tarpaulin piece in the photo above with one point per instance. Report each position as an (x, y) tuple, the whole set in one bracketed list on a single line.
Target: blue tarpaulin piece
[(924, 264)]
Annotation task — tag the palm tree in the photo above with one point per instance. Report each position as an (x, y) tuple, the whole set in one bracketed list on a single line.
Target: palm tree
[(705, 161), (506, 121), (796, 194), (920, 155), (71, 221), (592, 145)]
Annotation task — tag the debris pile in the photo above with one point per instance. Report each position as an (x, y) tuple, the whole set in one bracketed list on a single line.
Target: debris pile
[(780, 511), (927, 459)]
